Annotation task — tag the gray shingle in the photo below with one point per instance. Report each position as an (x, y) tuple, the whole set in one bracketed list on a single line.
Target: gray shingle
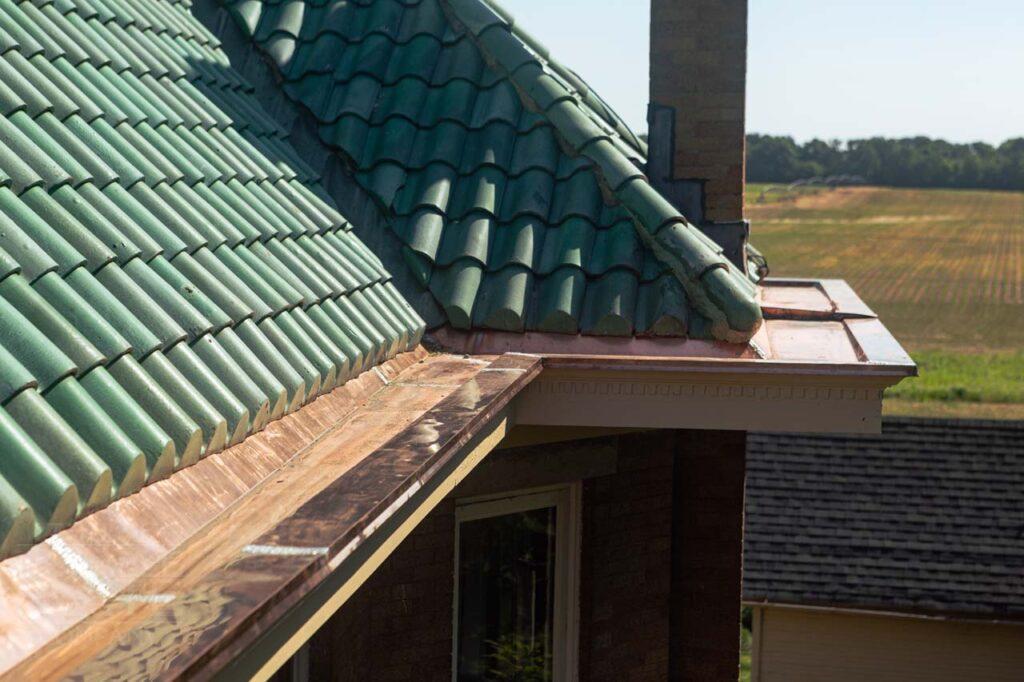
[(928, 516)]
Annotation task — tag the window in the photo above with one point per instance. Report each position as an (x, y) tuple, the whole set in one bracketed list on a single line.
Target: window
[(515, 592)]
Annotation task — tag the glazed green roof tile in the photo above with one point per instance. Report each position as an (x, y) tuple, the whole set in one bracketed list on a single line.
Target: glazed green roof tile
[(516, 193), (171, 277)]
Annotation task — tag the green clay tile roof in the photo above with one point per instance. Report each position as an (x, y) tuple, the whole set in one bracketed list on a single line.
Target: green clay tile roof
[(515, 192), (172, 277)]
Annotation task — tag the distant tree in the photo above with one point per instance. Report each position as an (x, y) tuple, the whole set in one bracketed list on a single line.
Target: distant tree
[(777, 159), (903, 162)]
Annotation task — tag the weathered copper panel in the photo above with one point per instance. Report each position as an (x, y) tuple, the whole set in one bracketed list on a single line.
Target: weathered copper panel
[(210, 594), (807, 341)]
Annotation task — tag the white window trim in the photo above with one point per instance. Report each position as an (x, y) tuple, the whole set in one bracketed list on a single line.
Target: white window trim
[(567, 500)]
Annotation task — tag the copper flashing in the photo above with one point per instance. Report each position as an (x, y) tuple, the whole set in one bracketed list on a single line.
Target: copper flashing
[(195, 568), (820, 362), (811, 327), (218, 567)]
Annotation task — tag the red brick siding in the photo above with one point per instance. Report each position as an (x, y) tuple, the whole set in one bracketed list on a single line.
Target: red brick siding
[(632, 627), (398, 626), (698, 67), (707, 555), (625, 569)]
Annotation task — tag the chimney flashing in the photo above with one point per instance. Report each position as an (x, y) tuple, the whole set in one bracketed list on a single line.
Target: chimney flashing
[(688, 195)]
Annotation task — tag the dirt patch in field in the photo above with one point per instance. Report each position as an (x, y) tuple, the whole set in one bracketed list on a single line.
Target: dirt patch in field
[(869, 220), (837, 198)]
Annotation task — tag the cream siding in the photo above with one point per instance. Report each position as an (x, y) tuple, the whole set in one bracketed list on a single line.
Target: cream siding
[(792, 645)]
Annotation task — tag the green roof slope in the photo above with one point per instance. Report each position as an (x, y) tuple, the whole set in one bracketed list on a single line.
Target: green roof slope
[(171, 275), (515, 191)]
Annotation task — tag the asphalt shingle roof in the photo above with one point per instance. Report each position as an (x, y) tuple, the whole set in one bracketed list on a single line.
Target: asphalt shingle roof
[(927, 517), (515, 191), (172, 276)]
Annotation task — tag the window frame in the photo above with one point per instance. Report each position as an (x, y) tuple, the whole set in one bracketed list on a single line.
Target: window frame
[(567, 501)]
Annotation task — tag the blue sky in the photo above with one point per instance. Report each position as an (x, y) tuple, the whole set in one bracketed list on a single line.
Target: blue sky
[(824, 68)]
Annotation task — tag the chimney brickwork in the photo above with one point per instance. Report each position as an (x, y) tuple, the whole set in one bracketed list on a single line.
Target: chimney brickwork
[(698, 70)]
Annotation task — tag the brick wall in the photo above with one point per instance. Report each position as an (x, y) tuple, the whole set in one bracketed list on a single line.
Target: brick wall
[(659, 571), (707, 555), (625, 569), (398, 625), (698, 67)]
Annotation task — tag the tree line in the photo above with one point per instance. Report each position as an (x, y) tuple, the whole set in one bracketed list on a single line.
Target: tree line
[(904, 162)]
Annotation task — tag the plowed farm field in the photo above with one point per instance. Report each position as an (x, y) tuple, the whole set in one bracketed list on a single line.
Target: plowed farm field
[(943, 268)]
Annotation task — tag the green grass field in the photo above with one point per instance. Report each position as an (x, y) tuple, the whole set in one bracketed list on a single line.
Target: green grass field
[(943, 268)]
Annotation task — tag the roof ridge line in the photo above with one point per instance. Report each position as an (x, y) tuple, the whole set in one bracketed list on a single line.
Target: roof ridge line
[(698, 263), (580, 85)]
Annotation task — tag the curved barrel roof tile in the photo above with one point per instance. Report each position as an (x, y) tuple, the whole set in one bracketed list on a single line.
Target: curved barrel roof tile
[(507, 179), (172, 276)]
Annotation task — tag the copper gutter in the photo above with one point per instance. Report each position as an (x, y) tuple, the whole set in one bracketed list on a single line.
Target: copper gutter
[(199, 610), (820, 362), (812, 327)]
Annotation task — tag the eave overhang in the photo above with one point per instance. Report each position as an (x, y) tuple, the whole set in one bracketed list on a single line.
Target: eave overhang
[(226, 568), (820, 362)]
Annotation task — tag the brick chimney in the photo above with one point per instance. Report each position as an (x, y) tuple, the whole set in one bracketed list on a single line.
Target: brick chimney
[(696, 114)]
